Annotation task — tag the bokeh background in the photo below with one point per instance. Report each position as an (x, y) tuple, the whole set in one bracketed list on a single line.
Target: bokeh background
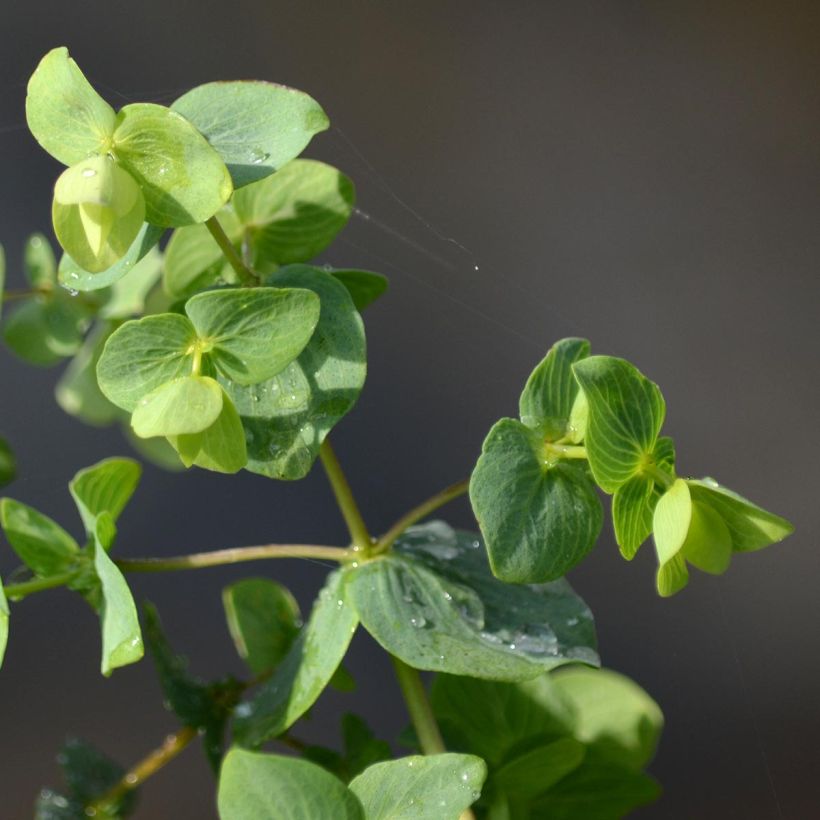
[(643, 174)]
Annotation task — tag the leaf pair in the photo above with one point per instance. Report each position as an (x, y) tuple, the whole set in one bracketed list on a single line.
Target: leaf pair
[(100, 493), (153, 367), (570, 745), (145, 163), (438, 787)]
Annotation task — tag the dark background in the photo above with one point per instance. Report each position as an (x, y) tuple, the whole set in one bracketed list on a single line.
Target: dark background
[(643, 174)]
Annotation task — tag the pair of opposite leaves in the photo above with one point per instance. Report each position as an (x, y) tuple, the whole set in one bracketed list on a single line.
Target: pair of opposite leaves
[(533, 494), (149, 163)]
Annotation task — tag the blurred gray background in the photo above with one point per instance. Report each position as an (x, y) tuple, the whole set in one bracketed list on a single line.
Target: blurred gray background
[(642, 174)]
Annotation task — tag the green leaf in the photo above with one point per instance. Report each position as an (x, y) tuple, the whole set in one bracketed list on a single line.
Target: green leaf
[(89, 774), (670, 524), (194, 261), (364, 286), (436, 787), (202, 706), (626, 412), (65, 114), (254, 334), (157, 451), (77, 391), (305, 670), (253, 786), (256, 127), (494, 719), (98, 211), (188, 404), (596, 792), (539, 517), (183, 179), (708, 544), (76, 278), (615, 716), (551, 390), (144, 354), (129, 294), (4, 623), (295, 214), (8, 464), (220, 447), (41, 544), (263, 619), (434, 603), (39, 263), (105, 487), (750, 526), (535, 771), (121, 636), (361, 747), (287, 418)]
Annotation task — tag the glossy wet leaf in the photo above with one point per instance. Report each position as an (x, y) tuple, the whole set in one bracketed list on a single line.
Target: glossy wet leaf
[(551, 390), (253, 785), (287, 418), (263, 619), (435, 787), (97, 212), (295, 214), (8, 463), (40, 543), (73, 276), (254, 333), (493, 719), (121, 636), (256, 127), (434, 603), (750, 527), (183, 179), (539, 517), (306, 669), (188, 404), (144, 354), (202, 706), (194, 261), (364, 286), (38, 262), (626, 412), (219, 447), (64, 113), (105, 487), (614, 715)]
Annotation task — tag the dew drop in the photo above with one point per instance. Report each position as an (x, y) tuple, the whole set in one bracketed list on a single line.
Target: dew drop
[(89, 172), (258, 156), (131, 778)]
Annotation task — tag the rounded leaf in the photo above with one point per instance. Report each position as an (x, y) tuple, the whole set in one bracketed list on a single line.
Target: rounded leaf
[(185, 405)]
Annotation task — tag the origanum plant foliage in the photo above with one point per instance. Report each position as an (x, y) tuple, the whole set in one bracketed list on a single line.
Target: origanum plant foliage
[(228, 349)]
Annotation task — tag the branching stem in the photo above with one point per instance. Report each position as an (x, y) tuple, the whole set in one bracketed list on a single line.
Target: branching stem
[(16, 592), (246, 276), (359, 534)]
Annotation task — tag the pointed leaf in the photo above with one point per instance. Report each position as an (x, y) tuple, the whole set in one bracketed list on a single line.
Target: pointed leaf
[(42, 544), (305, 671), (551, 390), (434, 604), (632, 508), (254, 333), (626, 412), (436, 787), (538, 517), (121, 636), (65, 114), (364, 286), (144, 354), (263, 619), (105, 487), (670, 524), (287, 418), (256, 127), (253, 786), (39, 263)]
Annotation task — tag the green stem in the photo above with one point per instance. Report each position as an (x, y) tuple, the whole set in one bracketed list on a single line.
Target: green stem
[(421, 713), (421, 511), (148, 766), (235, 555), (565, 450), (657, 475), (16, 592), (244, 273), (359, 534)]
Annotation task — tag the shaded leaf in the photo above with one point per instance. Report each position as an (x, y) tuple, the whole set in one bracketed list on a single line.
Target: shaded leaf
[(8, 464), (38, 262), (535, 771), (364, 286), (105, 487)]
